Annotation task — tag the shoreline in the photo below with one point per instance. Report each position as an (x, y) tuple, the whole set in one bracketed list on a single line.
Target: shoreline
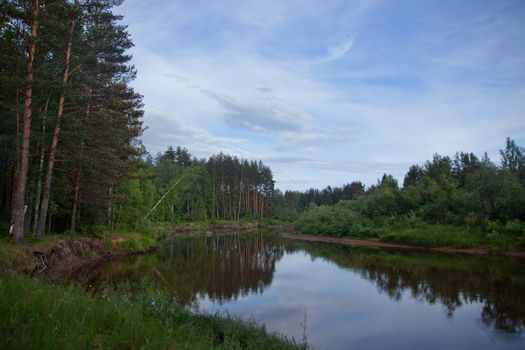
[(377, 244), (60, 257)]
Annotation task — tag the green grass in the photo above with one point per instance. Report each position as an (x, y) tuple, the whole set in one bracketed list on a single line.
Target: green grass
[(131, 239), (18, 257), (14, 257), (34, 315), (437, 235), (442, 235), (430, 235)]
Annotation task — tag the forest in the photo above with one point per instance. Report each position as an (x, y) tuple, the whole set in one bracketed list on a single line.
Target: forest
[(71, 158), (460, 201), (106, 244), (70, 121)]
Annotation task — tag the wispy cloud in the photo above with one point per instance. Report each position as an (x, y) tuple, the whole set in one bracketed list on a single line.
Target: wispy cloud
[(270, 117), (338, 50), (345, 90), (172, 130), (264, 89)]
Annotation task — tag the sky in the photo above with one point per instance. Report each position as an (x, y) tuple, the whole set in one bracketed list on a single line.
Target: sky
[(328, 92)]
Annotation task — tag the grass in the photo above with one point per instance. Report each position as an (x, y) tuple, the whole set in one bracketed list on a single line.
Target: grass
[(437, 235), (131, 239), (34, 315), (442, 235), (14, 257), (19, 257), (434, 235)]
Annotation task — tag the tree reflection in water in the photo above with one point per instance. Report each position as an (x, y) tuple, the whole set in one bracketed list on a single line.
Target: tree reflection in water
[(446, 279), (221, 267), (226, 267)]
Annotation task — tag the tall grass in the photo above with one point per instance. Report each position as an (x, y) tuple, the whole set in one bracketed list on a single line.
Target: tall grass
[(434, 235), (34, 315)]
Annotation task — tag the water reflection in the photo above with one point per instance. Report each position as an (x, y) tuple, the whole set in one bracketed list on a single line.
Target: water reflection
[(281, 278), (444, 279), (222, 267)]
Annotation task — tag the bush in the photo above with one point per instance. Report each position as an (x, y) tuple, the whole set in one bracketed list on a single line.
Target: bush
[(338, 220)]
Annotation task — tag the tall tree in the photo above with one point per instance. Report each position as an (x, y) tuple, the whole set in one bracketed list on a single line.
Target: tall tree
[(513, 158), (19, 206), (56, 133)]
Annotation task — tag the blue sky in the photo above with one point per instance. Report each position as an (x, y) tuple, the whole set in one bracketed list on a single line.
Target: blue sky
[(328, 92)]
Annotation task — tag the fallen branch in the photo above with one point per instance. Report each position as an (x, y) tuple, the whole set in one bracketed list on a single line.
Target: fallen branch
[(165, 194)]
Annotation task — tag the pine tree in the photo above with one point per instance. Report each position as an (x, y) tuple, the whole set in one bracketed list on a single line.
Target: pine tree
[(19, 206)]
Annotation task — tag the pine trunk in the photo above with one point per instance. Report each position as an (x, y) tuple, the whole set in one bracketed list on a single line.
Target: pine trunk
[(40, 170), (75, 201), (240, 201), (54, 142), (223, 199), (78, 172), (18, 212)]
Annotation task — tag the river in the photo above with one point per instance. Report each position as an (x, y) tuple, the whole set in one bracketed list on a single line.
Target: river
[(336, 296)]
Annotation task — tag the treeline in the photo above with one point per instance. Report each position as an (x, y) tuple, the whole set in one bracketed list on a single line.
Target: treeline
[(69, 122), (71, 158), (290, 204), (190, 189), (464, 190)]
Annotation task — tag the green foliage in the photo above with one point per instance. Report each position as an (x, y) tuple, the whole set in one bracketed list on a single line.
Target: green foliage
[(436, 235), (338, 220), (222, 187), (461, 203), (37, 316)]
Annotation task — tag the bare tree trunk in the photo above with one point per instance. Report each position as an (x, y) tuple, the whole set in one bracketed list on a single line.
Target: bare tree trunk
[(40, 169), (18, 213), (223, 199), (262, 207), (110, 205), (16, 166), (255, 209), (78, 172), (75, 201), (54, 141), (248, 197), (213, 195), (240, 201)]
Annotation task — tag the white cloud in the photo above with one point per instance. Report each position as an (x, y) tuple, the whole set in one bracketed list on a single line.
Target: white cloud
[(246, 78), (337, 51), (173, 130), (269, 117)]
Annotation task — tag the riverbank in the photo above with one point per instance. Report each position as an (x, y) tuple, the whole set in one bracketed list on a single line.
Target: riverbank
[(379, 244), (39, 313), (58, 256), (221, 227), (36, 315)]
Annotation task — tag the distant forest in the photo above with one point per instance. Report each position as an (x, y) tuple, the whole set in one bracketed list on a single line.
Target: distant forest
[(464, 190), (71, 156)]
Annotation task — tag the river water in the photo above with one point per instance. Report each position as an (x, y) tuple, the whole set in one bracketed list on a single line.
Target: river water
[(336, 296)]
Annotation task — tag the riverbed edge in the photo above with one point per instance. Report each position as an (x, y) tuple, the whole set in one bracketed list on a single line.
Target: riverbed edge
[(378, 244)]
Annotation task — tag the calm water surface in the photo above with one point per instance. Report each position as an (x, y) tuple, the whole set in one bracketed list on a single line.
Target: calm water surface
[(349, 298)]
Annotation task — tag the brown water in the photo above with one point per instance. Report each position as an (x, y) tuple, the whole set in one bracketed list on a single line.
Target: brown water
[(339, 297)]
